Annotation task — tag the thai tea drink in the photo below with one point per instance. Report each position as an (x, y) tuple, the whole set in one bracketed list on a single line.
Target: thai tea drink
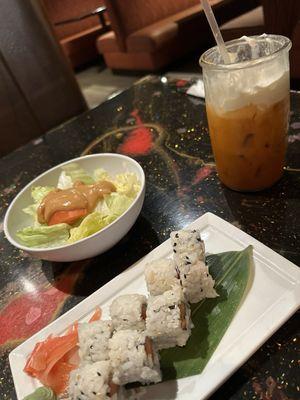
[(247, 104)]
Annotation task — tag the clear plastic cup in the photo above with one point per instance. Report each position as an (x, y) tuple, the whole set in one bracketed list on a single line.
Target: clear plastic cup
[(247, 104)]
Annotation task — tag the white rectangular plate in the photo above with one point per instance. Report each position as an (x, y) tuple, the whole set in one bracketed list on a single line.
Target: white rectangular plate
[(273, 297)]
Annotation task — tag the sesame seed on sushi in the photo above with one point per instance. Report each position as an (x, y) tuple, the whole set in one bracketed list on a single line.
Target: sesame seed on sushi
[(128, 311), (189, 256), (93, 382), (133, 358), (168, 320), (161, 275), (196, 282), (188, 247), (93, 341)]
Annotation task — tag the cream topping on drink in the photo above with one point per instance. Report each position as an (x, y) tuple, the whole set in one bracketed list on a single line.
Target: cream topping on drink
[(261, 85), (264, 92)]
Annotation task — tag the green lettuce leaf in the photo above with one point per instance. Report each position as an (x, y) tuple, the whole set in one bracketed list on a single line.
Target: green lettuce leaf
[(31, 210), (77, 173), (92, 223), (127, 184), (43, 235), (117, 204), (106, 212), (39, 192), (64, 181), (100, 174)]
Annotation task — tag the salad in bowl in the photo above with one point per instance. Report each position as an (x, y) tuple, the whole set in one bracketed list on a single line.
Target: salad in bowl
[(76, 201)]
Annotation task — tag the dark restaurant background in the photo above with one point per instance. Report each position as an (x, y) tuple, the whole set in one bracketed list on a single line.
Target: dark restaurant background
[(58, 57)]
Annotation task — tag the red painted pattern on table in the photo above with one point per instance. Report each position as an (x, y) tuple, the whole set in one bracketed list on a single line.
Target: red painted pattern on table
[(27, 313), (181, 82), (139, 141), (202, 173)]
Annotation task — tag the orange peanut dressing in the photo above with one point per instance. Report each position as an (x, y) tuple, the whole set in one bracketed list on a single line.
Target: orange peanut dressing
[(79, 197)]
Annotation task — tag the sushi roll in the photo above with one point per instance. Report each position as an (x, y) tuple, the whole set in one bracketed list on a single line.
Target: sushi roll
[(189, 256), (188, 247), (168, 320), (196, 282), (93, 341), (129, 312), (133, 358), (93, 382), (161, 275)]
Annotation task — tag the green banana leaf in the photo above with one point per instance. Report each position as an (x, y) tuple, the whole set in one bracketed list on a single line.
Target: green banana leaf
[(211, 317)]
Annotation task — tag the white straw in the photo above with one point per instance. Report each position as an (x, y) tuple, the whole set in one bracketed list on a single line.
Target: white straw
[(215, 30)]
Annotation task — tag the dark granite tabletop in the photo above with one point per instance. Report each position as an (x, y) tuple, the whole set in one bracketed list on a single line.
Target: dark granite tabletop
[(166, 131)]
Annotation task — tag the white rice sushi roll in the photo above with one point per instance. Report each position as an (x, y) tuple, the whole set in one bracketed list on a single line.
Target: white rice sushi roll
[(129, 312), (197, 283), (189, 255), (93, 341), (93, 382), (133, 358), (161, 275), (188, 247), (168, 320)]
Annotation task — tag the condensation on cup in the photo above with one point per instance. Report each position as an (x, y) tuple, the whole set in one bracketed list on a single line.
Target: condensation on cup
[(248, 104)]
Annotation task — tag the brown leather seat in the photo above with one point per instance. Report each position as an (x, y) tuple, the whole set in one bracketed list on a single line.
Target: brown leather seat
[(38, 90), (149, 34), (78, 38)]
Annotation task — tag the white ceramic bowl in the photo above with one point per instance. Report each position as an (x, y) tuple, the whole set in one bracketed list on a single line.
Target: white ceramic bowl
[(95, 244)]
